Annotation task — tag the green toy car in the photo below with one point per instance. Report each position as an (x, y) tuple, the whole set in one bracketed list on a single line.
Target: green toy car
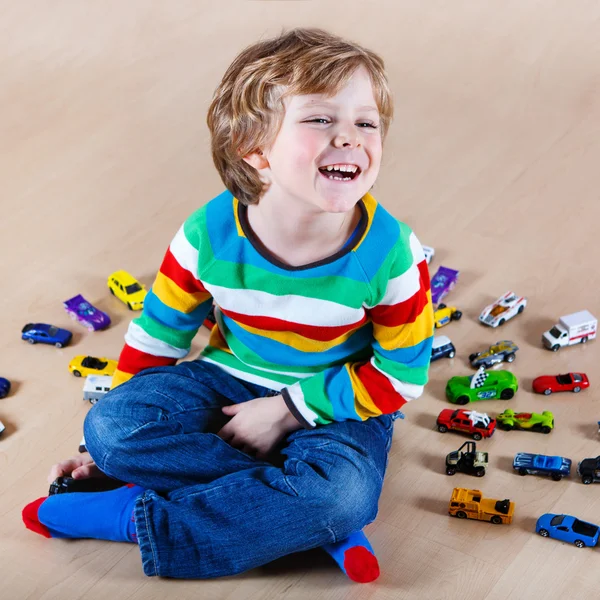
[(509, 419), (484, 385)]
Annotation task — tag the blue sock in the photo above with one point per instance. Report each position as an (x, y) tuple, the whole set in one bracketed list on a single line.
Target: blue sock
[(100, 515), (355, 557)]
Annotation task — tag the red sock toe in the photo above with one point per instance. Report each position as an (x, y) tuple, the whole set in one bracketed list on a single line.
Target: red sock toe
[(361, 566), (30, 518)]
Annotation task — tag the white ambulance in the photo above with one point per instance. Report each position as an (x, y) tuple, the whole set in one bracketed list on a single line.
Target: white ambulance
[(576, 328)]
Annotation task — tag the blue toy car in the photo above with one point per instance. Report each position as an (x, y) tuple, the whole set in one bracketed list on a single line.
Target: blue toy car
[(442, 347), (568, 529), (46, 334), (4, 387), (556, 467)]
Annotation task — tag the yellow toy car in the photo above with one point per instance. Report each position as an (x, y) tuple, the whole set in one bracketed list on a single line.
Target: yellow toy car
[(90, 365), (444, 314), (470, 504), (127, 289)]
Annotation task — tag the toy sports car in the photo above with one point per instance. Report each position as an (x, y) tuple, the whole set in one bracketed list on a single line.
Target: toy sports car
[(569, 382), (497, 353), (505, 308), (90, 365), (484, 385), (43, 333), (509, 419), (444, 314), (79, 309), (568, 529), (442, 282), (127, 289), (4, 387)]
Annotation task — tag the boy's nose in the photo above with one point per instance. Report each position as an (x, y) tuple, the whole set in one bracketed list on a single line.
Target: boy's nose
[(346, 139)]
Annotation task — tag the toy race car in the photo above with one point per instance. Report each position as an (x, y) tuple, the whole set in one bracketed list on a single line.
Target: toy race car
[(79, 309), (569, 382), (442, 347), (91, 365), (589, 470), (42, 333), (127, 289), (468, 461), (477, 425), (442, 282), (444, 314), (568, 529), (499, 352), (505, 308), (470, 504), (4, 387), (484, 385), (509, 419), (556, 467)]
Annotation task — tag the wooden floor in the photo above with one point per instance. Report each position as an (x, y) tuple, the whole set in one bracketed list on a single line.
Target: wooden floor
[(493, 159)]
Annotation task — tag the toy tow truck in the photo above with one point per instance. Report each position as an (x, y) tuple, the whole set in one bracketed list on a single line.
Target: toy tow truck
[(468, 461), (470, 504)]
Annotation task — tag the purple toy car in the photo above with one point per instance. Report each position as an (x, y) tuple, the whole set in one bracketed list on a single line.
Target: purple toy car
[(442, 282), (89, 316)]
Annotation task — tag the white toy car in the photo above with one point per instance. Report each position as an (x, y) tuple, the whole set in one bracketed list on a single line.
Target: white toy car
[(96, 387), (505, 308), (429, 253)]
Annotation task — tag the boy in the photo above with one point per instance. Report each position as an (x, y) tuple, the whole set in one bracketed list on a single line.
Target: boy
[(323, 331)]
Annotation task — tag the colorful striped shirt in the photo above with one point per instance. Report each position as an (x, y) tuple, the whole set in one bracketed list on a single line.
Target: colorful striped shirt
[(347, 337)]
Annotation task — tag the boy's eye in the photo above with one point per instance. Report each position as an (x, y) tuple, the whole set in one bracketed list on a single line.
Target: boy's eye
[(367, 124), (319, 120)]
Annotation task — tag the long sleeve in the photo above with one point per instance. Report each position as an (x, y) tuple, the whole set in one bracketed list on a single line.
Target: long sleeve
[(174, 309), (401, 314)]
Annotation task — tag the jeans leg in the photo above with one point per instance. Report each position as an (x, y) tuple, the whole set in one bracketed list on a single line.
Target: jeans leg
[(328, 487)]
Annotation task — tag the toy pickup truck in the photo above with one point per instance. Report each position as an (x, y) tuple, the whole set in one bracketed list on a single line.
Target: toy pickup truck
[(470, 504), (556, 467), (576, 328)]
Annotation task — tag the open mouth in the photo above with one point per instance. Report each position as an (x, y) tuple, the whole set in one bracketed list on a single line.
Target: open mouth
[(341, 172)]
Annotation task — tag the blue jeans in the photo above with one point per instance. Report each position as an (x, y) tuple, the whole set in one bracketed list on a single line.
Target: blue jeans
[(210, 510)]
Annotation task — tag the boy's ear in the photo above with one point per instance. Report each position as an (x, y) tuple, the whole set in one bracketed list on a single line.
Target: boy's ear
[(257, 160)]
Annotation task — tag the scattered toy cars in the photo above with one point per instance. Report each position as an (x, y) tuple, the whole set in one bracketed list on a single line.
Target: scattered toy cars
[(442, 347), (568, 529), (444, 314), (576, 328), (468, 461), (128, 289), (569, 382), (556, 467), (589, 470), (503, 351), (96, 387), (43, 333), (79, 309), (477, 425), (509, 419), (505, 308), (470, 504), (442, 282), (4, 387), (484, 385), (91, 365)]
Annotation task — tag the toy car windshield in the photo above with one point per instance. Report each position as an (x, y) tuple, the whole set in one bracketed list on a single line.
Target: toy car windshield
[(133, 288), (564, 379), (91, 362), (52, 330)]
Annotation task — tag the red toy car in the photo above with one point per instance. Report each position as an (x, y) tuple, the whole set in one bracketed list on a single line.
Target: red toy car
[(477, 425), (569, 382)]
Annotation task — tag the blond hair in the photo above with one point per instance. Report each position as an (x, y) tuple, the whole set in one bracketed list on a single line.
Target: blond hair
[(247, 107)]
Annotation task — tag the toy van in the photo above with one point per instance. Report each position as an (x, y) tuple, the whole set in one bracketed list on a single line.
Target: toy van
[(576, 328), (95, 387)]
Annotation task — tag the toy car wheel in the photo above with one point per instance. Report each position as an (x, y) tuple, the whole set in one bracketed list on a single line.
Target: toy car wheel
[(129, 306), (501, 322), (510, 357), (477, 436), (521, 308), (507, 426), (461, 514), (507, 394), (112, 291), (547, 392), (58, 345), (587, 479), (544, 533), (522, 471), (480, 472), (76, 373), (546, 429), (462, 400), (93, 400), (456, 316), (90, 328), (576, 389), (452, 354), (496, 520), (556, 476), (72, 315), (555, 348), (579, 544), (472, 357), (584, 340), (440, 306), (442, 428), (31, 340), (450, 471)]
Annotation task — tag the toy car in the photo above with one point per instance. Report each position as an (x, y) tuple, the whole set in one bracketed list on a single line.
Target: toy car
[(91, 365), (509, 419), (484, 385), (468, 461), (4, 387), (442, 282), (556, 467), (442, 347), (64, 485), (477, 425), (444, 314), (96, 387), (569, 382), (589, 470), (568, 529), (499, 352), (79, 309), (127, 289), (429, 253), (505, 308), (576, 328), (42, 333), (470, 504)]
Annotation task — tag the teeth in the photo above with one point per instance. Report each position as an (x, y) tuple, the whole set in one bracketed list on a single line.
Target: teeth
[(342, 168)]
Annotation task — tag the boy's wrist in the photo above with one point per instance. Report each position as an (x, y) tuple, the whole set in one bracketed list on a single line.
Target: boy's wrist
[(288, 420)]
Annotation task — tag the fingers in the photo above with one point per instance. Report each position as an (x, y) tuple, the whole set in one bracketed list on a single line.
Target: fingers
[(63, 468), (86, 471)]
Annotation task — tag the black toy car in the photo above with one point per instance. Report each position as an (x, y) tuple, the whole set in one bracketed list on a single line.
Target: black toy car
[(589, 470), (65, 485)]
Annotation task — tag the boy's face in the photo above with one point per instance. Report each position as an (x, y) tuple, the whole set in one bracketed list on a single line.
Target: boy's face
[(320, 132)]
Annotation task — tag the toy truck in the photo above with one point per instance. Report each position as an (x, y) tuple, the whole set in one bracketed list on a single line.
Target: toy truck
[(556, 467), (96, 387), (470, 504), (468, 461), (576, 328)]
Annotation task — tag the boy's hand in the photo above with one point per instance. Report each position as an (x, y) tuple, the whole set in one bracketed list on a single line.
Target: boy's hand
[(258, 425), (78, 467)]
